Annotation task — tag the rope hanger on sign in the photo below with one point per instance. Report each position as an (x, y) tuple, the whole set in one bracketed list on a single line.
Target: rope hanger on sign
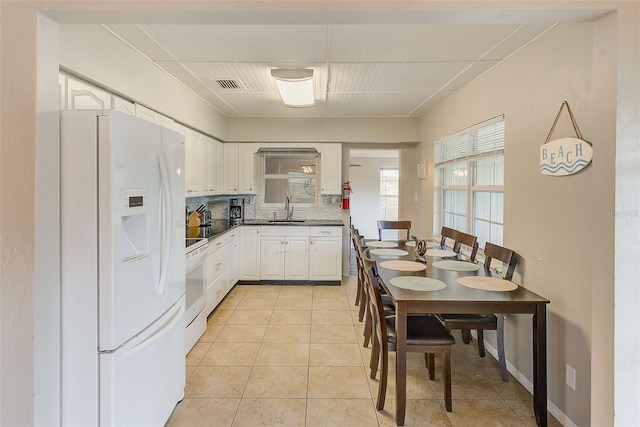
[(573, 121)]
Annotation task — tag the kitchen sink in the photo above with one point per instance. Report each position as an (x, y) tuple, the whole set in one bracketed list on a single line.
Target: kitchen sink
[(285, 221)]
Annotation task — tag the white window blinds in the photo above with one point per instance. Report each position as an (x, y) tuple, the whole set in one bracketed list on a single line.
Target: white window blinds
[(481, 140)]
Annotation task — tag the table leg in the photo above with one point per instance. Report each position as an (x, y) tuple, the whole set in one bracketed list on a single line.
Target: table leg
[(540, 364), (401, 363)]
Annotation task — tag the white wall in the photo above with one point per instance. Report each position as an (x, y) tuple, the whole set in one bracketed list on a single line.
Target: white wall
[(555, 224), (329, 129), (365, 196)]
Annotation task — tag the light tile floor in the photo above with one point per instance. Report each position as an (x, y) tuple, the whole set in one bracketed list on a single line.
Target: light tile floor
[(293, 356)]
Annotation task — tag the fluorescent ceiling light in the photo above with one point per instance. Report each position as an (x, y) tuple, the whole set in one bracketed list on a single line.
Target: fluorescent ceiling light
[(295, 86)]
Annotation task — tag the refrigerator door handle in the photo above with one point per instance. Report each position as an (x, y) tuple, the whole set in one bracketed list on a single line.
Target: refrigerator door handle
[(166, 227), (166, 326)]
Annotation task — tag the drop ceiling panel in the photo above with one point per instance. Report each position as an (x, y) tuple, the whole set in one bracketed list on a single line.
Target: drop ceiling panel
[(374, 104), (368, 70), (401, 77), (519, 38), (136, 37), (417, 43), (473, 72), (242, 43)]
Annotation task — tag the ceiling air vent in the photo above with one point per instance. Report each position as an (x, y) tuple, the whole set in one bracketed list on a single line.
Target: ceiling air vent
[(229, 84)]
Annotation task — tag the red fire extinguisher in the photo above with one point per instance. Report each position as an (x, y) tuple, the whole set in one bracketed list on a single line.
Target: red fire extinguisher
[(346, 194)]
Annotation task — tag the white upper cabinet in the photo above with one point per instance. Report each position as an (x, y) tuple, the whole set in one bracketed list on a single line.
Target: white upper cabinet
[(331, 168), (215, 173), (123, 105), (230, 160), (239, 168), (246, 168), (83, 96)]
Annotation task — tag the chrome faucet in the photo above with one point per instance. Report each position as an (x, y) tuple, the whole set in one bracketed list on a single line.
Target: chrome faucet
[(288, 209)]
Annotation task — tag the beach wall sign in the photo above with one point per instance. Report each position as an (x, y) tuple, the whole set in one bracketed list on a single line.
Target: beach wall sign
[(565, 156)]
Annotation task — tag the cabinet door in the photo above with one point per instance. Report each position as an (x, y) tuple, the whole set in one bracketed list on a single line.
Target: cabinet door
[(250, 253), (82, 96), (214, 166), (271, 258), (296, 258), (122, 105), (230, 154), (153, 116), (246, 166), (325, 258), (331, 169), (194, 173)]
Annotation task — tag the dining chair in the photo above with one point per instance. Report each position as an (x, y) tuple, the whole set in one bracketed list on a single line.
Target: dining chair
[(393, 225), (482, 322), (370, 264), (355, 235), (464, 239), (425, 334), (447, 233)]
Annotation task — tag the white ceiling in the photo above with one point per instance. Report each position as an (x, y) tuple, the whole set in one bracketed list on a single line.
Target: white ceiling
[(360, 70)]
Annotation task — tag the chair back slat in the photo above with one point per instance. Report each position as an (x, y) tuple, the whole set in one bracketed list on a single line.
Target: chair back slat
[(507, 256), (393, 225), (468, 240), (447, 233)]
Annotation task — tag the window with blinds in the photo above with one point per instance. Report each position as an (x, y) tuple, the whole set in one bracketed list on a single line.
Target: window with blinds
[(469, 182)]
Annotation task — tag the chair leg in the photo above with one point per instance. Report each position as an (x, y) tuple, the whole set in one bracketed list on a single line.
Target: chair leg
[(368, 325), (358, 290), (375, 356), (500, 343), (481, 351), (384, 371), (447, 379), (363, 304), (466, 336), (430, 361)]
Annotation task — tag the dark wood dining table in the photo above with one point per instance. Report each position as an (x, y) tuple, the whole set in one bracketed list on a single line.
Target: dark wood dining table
[(456, 298)]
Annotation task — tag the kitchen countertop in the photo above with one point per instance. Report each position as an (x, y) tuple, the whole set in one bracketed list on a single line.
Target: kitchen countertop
[(219, 226), (305, 222)]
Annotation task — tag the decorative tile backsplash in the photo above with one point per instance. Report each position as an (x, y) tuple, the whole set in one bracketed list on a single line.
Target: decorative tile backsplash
[(329, 208)]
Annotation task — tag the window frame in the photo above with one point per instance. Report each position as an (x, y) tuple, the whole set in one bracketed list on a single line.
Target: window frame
[(459, 152), (264, 177), (387, 196)]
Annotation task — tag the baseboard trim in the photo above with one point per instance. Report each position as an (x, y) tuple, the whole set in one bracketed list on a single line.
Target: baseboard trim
[(553, 409)]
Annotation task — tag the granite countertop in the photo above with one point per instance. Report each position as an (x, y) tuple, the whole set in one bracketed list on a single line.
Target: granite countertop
[(219, 226), (305, 222)]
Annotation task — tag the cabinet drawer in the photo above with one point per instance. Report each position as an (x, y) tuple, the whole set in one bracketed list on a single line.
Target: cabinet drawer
[(285, 231), (325, 231)]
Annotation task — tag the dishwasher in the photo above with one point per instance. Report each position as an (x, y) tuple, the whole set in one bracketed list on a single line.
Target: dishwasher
[(195, 290)]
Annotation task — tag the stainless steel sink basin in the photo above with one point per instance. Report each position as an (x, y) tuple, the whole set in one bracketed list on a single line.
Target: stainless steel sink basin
[(285, 221)]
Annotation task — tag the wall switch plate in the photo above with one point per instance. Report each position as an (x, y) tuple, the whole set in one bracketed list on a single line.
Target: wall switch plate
[(570, 377)]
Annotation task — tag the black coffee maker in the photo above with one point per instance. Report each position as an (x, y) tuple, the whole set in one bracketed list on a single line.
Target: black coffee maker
[(236, 210)]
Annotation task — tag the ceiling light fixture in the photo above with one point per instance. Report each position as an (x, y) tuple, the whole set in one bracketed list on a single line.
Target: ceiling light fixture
[(295, 86)]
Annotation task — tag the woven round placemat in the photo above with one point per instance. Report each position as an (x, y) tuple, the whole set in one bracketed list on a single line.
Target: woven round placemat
[(456, 265), (440, 253), (381, 244), (403, 265), (487, 283), (415, 283), (389, 252)]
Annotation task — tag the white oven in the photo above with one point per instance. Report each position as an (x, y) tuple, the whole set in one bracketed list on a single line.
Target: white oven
[(195, 288)]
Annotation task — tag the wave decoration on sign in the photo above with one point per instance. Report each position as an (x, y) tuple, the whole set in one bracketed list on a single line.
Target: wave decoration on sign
[(565, 156)]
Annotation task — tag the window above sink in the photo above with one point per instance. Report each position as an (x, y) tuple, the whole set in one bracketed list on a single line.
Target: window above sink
[(290, 172)]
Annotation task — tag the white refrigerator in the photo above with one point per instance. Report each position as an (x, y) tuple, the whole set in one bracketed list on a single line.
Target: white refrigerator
[(122, 270)]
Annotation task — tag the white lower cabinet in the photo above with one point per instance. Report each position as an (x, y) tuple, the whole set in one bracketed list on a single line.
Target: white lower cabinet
[(284, 253), (250, 252), (222, 267), (325, 253)]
